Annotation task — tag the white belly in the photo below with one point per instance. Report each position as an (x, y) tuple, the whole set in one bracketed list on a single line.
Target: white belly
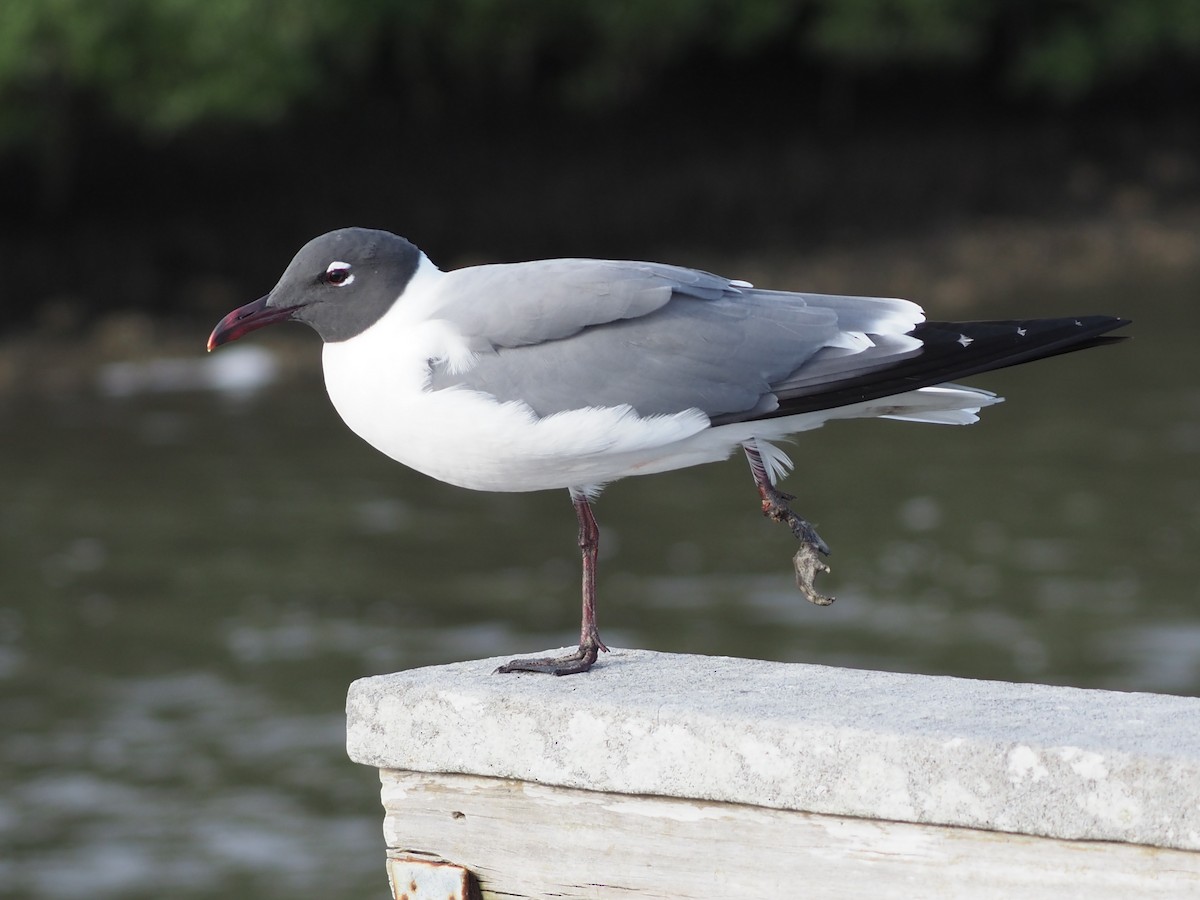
[(469, 439)]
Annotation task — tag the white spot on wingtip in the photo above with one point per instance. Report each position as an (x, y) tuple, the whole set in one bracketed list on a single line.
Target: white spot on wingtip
[(738, 283), (1077, 322), (1020, 331), (964, 340)]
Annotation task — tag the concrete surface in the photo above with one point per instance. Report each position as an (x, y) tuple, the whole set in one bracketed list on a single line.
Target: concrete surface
[(1025, 758)]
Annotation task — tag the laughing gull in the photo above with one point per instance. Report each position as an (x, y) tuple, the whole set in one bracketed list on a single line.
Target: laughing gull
[(572, 373)]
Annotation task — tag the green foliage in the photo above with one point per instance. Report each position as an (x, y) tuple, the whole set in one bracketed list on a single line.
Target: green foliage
[(164, 65), (1073, 48), (160, 65), (879, 32)]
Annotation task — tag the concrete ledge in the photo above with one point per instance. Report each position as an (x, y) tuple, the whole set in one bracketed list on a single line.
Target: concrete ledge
[(1030, 759)]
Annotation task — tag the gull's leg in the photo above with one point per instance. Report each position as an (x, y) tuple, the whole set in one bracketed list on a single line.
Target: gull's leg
[(590, 644), (775, 507)]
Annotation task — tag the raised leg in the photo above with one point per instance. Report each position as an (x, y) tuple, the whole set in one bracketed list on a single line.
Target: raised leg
[(590, 644), (775, 507)]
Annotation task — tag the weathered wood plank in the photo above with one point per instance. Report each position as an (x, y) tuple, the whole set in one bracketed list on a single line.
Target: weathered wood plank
[(528, 840)]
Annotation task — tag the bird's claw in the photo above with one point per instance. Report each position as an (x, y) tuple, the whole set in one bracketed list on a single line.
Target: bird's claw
[(807, 560), (808, 565), (571, 664)]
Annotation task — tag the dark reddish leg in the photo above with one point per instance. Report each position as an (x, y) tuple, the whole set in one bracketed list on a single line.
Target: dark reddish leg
[(775, 507), (590, 644)]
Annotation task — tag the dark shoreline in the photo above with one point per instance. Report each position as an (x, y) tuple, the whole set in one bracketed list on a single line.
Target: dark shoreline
[(193, 226)]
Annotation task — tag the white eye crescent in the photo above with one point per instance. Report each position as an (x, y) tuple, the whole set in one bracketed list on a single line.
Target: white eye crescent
[(338, 273)]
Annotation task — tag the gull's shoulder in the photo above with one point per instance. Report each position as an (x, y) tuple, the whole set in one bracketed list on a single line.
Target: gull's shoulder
[(517, 304)]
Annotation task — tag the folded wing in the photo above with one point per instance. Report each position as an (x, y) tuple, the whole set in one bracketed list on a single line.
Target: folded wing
[(571, 334)]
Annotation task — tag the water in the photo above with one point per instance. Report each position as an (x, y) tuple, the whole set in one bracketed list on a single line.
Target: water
[(190, 579)]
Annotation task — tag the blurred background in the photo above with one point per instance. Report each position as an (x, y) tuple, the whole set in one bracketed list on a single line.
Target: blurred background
[(196, 557)]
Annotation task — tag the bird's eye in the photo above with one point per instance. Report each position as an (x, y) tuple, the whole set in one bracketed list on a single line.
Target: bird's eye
[(338, 274)]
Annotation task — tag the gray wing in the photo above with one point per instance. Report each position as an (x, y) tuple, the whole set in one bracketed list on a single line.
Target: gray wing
[(567, 334), (519, 304)]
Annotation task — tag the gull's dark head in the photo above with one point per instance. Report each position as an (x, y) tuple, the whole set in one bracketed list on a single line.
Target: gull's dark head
[(340, 283)]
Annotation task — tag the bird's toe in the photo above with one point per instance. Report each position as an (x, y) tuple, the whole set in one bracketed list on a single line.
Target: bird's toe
[(808, 565)]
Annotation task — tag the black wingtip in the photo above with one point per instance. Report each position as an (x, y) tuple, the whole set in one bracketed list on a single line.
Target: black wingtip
[(999, 344), (954, 350)]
